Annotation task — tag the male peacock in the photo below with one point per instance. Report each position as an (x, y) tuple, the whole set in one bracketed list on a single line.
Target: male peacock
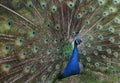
[(38, 38)]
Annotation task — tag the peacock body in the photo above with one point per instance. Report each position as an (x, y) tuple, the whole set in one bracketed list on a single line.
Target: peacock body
[(38, 39)]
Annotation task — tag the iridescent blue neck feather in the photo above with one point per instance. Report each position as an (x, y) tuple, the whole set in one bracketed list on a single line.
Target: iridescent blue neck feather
[(73, 67)]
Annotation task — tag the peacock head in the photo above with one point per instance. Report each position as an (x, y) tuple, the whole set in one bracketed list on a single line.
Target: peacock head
[(77, 41)]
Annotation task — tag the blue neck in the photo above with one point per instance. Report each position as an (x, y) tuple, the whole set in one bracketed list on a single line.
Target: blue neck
[(73, 65)]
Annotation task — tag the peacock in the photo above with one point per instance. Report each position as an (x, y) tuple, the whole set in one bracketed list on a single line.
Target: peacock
[(47, 41)]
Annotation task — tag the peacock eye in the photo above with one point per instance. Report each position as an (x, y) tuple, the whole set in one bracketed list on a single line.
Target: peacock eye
[(90, 37), (48, 51), (116, 54), (46, 40), (116, 20), (34, 32), (100, 2), (91, 9), (100, 37), (88, 45), (111, 29), (7, 66), (110, 9), (54, 75), (54, 9), (24, 53), (21, 40), (87, 22), (27, 69), (58, 49), (105, 14), (55, 40), (30, 6), (49, 69), (57, 67), (70, 4), (97, 64), (84, 52), (99, 27), (73, 33), (99, 48), (43, 5), (48, 25), (33, 70), (7, 47), (113, 9), (95, 53), (88, 59), (36, 48), (64, 33), (111, 39), (79, 16), (116, 1), (109, 51), (108, 64), (84, 12), (9, 23), (43, 77), (79, 1), (57, 27), (103, 56)]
